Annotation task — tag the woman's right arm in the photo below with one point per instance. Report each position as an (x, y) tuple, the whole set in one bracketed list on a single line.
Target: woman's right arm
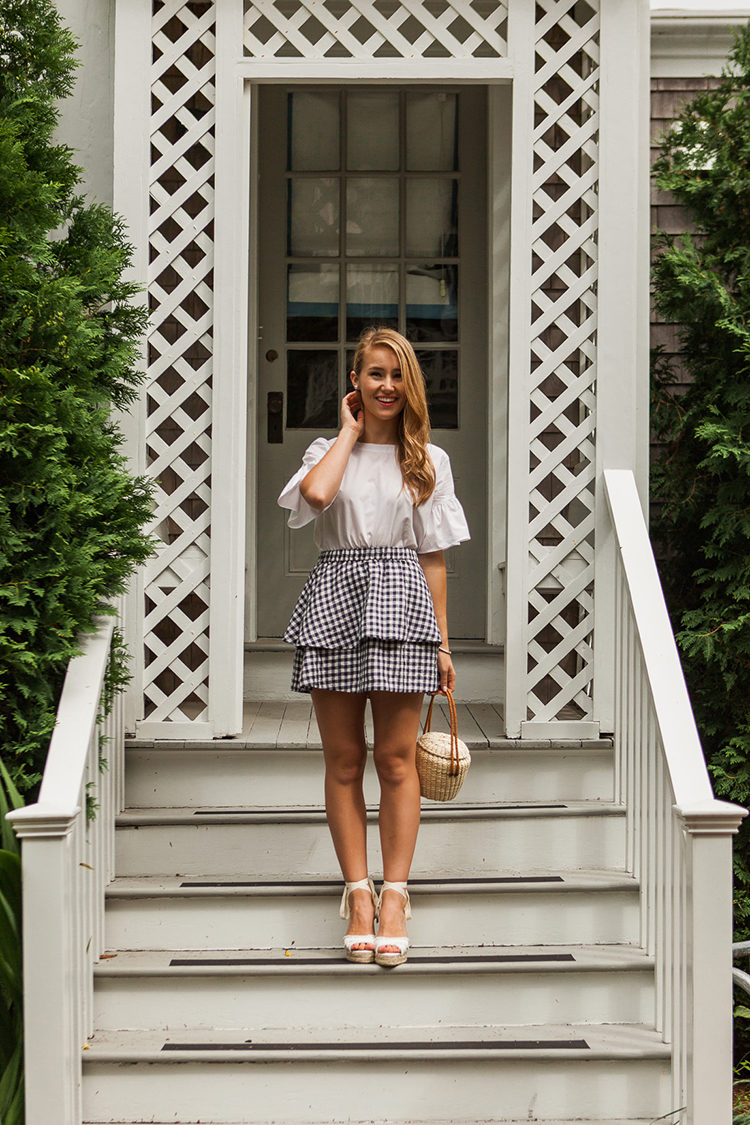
[(322, 483)]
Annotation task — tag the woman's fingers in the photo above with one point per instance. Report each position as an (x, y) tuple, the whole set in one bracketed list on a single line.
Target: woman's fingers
[(351, 411)]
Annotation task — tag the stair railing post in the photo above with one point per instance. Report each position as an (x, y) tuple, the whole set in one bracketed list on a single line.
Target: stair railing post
[(707, 1043), (51, 1052)]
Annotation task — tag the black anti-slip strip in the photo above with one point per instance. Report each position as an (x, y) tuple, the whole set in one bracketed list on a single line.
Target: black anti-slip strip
[(440, 959), (484, 880), (466, 1045)]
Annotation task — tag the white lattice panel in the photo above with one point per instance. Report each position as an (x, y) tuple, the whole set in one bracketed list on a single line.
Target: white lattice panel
[(563, 360), (372, 29), (178, 425)]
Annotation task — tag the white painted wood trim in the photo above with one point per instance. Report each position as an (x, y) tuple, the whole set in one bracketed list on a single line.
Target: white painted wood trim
[(52, 1058), (708, 1045), (132, 117), (251, 467), (405, 71), (229, 397), (177, 731), (499, 122), (682, 748), (623, 314), (75, 721), (687, 44), (521, 48)]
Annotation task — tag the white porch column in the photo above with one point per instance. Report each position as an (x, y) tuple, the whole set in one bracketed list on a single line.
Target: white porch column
[(132, 114), (521, 47), (226, 652), (622, 392)]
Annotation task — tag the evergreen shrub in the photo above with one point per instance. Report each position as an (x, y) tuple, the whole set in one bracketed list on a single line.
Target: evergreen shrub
[(700, 481), (71, 515)]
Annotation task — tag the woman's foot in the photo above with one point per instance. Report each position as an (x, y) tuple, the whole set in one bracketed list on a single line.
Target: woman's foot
[(394, 910), (358, 905)]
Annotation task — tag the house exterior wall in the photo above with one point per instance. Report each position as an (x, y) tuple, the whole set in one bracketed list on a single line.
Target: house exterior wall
[(668, 96)]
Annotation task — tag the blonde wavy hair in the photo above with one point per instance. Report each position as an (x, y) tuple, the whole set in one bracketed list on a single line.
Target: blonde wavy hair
[(414, 420)]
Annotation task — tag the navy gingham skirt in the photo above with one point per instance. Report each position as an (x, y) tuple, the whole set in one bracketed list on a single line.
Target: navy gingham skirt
[(365, 622)]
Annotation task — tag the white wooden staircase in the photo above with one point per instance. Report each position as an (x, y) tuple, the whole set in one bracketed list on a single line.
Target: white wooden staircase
[(571, 956), (224, 996)]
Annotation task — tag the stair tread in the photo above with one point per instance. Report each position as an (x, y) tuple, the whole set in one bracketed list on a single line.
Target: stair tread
[(474, 742), (233, 814), (583, 1041), (483, 958), (448, 1121), (138, 886)]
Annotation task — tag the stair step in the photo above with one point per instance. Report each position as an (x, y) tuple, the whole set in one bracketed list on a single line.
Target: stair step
[(454, 839), (423, 1073), (237, 989), (170, 773), (216, 912)]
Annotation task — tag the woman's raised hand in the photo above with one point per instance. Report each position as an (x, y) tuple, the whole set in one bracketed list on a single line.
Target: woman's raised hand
[(352, 414)]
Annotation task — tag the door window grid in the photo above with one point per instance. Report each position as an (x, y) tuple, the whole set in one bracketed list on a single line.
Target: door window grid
[(426, 284)]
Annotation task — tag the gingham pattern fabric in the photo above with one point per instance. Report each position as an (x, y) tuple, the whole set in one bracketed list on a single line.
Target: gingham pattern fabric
[(365, 622)]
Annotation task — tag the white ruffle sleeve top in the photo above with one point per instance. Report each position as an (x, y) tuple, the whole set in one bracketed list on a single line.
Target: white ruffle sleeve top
[(372, 508)]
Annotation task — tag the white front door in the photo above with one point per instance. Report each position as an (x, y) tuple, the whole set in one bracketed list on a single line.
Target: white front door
[(372, 209)]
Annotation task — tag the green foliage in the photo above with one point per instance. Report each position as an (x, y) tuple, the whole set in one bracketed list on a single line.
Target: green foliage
[(70, 513), (701, 481)]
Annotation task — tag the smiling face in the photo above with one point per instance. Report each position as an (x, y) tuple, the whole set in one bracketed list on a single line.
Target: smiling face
[(380, 383)]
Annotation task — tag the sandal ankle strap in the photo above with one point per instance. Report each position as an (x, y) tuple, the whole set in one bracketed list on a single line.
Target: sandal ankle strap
[(360, 885), (401, 888)]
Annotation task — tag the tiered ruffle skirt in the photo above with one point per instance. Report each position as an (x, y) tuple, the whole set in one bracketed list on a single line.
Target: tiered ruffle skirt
[(365, 622)]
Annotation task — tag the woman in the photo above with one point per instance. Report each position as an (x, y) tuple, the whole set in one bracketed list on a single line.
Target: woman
[(371, 619)]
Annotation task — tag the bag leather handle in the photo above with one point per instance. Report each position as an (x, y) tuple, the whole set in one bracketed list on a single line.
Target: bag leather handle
[(455, 760)]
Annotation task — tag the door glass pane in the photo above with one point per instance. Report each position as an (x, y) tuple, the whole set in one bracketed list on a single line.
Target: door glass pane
[(371, 297), (432, 302), (431, 133), (372, 132), (441, 373), (313, 132), (312, 307), (372, 216), (313, 217), (312, 390), (431, 218)]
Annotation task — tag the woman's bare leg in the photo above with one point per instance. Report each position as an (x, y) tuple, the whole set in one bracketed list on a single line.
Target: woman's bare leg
[(340, 718), (396, 721)]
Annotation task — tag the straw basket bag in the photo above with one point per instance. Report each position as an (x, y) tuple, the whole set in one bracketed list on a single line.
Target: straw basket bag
[(443, 760)]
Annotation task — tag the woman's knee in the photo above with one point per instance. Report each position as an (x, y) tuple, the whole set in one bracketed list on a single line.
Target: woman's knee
[(394, 763), (346, 764)]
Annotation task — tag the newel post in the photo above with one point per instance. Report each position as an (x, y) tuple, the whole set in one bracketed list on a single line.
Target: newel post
[(709, 827), (51, 1053)]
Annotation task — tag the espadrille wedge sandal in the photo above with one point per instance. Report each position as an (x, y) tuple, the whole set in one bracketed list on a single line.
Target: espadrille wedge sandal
[(358, 956), (384, 955)]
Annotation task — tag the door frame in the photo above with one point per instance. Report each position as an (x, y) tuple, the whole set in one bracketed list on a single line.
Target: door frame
[(498, 272)]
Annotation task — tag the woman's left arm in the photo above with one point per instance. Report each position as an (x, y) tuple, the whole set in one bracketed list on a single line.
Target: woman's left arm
[(433, 565)]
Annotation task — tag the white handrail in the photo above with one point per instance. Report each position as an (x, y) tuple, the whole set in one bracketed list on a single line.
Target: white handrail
[(678, 837), (67, 861)]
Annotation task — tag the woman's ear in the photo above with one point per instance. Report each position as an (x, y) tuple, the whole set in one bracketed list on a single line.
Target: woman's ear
[(354, 379)]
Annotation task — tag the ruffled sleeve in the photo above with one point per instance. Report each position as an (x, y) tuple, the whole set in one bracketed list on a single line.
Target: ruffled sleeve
[(440, 523), (300, 512)]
